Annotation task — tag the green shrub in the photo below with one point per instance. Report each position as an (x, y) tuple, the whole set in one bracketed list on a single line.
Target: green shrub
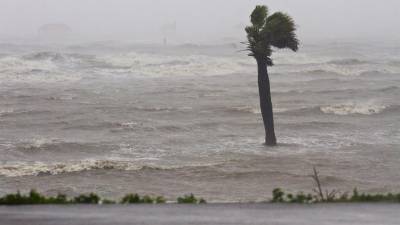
[(131, 199), (278, 195), (160, 200), (300, 198), (35, 198), (32, 198), (137, 199), (87, 199), (190, 199)]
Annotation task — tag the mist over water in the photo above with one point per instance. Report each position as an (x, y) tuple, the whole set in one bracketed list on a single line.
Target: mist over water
[(113, 110), (195, 21)]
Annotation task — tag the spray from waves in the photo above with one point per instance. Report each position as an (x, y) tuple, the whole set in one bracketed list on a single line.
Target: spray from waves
[(364, 108), (59, 66), (54, 66), (20, 69), (17, 65), (156, 64), (313, 65)]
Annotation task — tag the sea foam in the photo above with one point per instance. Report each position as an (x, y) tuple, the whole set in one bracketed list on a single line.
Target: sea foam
[(365, 108)]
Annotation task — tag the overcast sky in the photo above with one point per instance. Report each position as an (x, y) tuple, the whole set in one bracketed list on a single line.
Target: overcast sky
[(199, 20)]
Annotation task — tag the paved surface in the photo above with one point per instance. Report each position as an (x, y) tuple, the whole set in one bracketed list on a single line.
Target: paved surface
[(211, 214)]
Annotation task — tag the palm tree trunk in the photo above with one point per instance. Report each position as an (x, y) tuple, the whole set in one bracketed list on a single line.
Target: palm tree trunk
[(266, 103)]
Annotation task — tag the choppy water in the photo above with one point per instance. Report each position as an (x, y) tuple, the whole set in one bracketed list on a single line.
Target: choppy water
[(115, 118)]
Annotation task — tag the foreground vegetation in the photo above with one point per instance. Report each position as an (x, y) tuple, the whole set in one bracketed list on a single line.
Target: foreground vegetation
[(279, 196), (319, 195), (330, 196), (35, 198)]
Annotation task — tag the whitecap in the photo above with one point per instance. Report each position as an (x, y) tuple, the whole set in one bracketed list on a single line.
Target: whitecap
[(256, 109), (37, 168), (364, 108)]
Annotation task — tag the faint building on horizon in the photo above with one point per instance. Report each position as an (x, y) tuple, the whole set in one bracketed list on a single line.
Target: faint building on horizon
[(54, 32)]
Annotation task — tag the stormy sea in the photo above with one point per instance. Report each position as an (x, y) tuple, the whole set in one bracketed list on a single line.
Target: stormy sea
[(116, 118)]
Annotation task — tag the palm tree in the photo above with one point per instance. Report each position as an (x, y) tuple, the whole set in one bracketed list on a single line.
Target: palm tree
[(276, 30)]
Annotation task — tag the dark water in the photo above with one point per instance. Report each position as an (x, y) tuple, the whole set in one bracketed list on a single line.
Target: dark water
[(115, 118)]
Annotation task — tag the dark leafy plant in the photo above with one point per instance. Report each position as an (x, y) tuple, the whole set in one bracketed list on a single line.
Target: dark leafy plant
[(278, 195), (87, 199), (32, 198), (190, 199), (131, 199)]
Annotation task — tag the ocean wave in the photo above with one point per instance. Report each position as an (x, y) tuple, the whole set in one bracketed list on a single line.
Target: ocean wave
[(6, 112), (345, 70), (18, 169), (53, 145), (40, 168), (367, 108), (246, 109), (157, 64), (53, 56), (254, 109), (17, 65), (388, 89), (13, 112), (341, 67), (19, 69), (47, 66), (154, 109), (362, 108), (350, 61)]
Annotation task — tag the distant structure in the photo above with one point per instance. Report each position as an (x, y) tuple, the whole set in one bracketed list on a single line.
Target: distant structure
[(168, 30), (54, 32)]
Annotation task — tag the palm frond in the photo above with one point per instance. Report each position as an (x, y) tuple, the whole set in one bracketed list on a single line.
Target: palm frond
[(280, 31), (259, 15), (277, 30)]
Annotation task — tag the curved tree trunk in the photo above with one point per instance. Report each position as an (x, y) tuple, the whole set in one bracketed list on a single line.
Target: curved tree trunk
[(266, 103)]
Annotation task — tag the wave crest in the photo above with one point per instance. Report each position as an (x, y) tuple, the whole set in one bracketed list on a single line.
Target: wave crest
[(353, 108), (255, 109), (350, 61), (19, 169), (40, 168), (53, 56)]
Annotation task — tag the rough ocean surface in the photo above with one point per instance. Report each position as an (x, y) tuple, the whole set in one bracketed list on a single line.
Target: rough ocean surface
[(115, 118)]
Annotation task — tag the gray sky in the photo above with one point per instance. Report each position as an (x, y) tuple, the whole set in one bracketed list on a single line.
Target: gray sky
[(199, 20)]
